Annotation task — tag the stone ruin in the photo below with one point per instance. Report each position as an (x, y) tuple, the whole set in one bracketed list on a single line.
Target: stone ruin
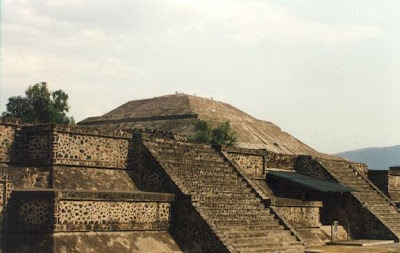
[(117, 189)]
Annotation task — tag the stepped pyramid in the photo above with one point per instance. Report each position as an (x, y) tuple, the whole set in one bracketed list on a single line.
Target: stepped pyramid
[(107, 186), (178, 114)]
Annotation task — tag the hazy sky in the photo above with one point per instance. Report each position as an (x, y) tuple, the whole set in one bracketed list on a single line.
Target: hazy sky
[(325, 71)]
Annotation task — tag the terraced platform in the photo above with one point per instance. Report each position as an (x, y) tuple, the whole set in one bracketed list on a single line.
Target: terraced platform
[(220, 194), (367, 194)]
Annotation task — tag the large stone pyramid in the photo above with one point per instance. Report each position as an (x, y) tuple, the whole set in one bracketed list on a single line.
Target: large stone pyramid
[(178, 114)]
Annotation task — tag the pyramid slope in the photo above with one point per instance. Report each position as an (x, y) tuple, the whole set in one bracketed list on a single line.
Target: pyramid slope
[(178, 113)]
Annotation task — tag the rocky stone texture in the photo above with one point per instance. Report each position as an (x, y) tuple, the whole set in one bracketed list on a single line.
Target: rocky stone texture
[(280, 161), (6, 187), (86, 150), (68, 211), (380, 178), (71, 181), (7, 137), (33, 146), (307, 165), (301, 214), (252, 165), (388, 181), (58, 145), (393, 184), (370, 211), (226, 202), (256, 162)]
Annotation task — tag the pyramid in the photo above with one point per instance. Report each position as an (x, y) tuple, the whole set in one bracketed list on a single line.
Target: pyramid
[(178, 113)]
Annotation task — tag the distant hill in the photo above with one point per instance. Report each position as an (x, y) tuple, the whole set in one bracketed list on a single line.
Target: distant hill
[(375, 158)]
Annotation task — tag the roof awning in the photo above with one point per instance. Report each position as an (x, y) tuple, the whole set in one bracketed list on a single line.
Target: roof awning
[(310, 182)]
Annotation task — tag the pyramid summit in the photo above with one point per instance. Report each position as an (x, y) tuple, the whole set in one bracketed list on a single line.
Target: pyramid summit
[(179, 113)]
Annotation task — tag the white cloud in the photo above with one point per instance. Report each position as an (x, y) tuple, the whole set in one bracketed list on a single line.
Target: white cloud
[(259, 55), (255, 21)]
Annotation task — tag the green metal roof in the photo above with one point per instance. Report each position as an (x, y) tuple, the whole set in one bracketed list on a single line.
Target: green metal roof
[(310, 182)]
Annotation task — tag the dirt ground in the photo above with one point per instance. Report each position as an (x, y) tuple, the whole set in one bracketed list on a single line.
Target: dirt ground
[(386, 248)]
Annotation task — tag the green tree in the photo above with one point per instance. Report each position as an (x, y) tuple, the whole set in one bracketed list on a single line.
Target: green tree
[(39, 106), (202, 132), (222, 134)]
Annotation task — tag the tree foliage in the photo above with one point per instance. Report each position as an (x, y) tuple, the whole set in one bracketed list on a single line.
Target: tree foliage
[(39, 106), (222, 134)]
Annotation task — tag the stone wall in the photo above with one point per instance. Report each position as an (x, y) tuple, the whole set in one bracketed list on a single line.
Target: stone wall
[(33, 145), (345, 207), (380, 179), (74, 146), (304, 215), (360, 167), (363, 224), (7, 137), (6, 187), (388, 181), (58, 211), (308, 166), (394, 184), (73, 215), (255, 162), (80, 149), (252, 165), (251, 161), (280, 161)]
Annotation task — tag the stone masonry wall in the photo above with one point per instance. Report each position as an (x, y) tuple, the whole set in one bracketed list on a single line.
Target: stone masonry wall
[(394, 184), (280, 161), (7, 136), (104, 215), (380, 179), (301, 216), (61, 211), (361, 167), (6, 187), (33, 145), (88, 150), (363, 224), (74, 146), (306, 165), (388, 181), (255, 162), (252, 165)]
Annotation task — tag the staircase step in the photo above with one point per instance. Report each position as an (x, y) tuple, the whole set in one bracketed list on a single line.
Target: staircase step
[(266, 245), (232, 229), (257, 233), (366, 194), (280, 249), (222, 195)]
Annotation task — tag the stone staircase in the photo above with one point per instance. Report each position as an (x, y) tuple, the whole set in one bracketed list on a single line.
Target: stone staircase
[(223, 198), (366, 193)]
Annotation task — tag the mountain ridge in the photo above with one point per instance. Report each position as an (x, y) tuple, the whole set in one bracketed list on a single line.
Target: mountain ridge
[(377, 158)]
